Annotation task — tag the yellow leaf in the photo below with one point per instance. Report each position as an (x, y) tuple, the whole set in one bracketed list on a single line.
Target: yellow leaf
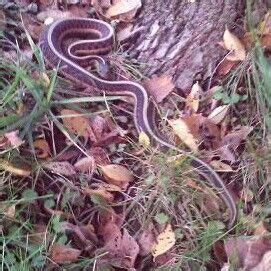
[(182, 130), (45, 79), (144, 140), (77, 124), (218, 114), (117, 175), (165, 241), (232, 43), (192, 100), (123, 6)]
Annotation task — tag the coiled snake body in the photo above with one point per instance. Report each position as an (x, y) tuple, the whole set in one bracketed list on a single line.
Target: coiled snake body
[(64, 45)]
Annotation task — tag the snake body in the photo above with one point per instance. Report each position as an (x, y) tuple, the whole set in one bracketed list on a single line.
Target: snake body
[(71, 44)]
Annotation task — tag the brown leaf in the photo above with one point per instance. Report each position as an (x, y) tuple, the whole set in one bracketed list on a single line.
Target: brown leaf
[(264, 264), (261, 228), (100, 156), (246, 194), (85, 233), (85, 164), (146, 240), (159, 87), (8, 210), (124, 10), (266, 41), (246, 252), (42, 148), (78, 125), (14, 139), (62, 168), (232, 141), (100, 192), (101, 6), (64, 254), (121, 247), (225, 67), (109, 215), (210, 204), (220, 166), (19, 169), (117, 175), (97, 128), (53, 14)]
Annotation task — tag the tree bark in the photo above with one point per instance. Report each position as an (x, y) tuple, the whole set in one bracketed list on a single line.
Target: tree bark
[(180, 37)]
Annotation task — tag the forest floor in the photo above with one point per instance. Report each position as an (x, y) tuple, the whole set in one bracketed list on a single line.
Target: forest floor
[(80, 189)]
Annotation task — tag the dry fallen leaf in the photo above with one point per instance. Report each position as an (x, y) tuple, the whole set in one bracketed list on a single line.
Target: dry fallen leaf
[(144, 140), (164, 242), (117, 175), (265, 26), (233, 44), (8, 210), (192, 100), (96, 128), (232, 141), (219, 113), (159, 87), (220, 166), (53, 14), (14, 139), (85, 164), (64, 254), (42, 148), (62, 168), (264, 264), (183, 131), (146, 240), (225, 67), (76, 124), (99, 192), (261, 228), (266, 41), (20, 169), (124, 9), (100, 156), (246, 252), (246, 194), (121, 247), (85, 233)]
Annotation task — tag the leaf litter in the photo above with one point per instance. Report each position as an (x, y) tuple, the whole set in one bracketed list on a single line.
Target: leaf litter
[(89, 188)]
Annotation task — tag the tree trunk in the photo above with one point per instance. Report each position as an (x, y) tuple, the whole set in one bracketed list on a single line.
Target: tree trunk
[(180, 37)]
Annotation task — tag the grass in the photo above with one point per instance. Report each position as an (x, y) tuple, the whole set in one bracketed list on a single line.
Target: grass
[(22, 89)]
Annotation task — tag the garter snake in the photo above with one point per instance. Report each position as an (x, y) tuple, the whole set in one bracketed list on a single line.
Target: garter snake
[(71, 44)]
